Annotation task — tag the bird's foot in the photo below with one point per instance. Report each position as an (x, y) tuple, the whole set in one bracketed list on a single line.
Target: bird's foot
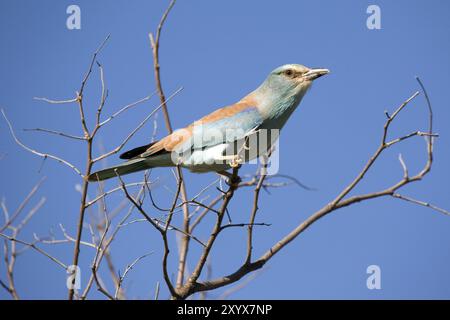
[(234, 161)]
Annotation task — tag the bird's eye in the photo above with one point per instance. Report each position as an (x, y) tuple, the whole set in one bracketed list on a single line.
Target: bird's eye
[(289, 72)]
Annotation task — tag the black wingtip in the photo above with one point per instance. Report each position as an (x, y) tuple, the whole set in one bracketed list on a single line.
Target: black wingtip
[(135, 152), (126, 155)]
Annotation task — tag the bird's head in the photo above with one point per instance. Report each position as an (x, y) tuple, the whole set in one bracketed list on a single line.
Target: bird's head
[(285, 86), (292, 79)]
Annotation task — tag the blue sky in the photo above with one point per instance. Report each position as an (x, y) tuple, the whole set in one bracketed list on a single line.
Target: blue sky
[(219, 51)]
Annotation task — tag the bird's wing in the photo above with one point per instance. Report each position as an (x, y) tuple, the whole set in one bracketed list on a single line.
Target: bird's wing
[(227, 124)]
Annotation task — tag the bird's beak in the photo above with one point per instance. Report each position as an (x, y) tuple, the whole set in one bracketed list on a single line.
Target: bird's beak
[(315, 73)]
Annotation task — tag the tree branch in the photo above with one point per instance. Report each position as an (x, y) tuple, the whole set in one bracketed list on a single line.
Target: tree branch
[(154, 41), (339, 202)]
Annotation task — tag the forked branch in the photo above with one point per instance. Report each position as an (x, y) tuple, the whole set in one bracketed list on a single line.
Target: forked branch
[(339, 202)]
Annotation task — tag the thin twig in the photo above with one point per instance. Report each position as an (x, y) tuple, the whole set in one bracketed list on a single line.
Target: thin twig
[(154, 42), (257, 190), (191, 285), (40, 154), (162, 231), (56, 101), (98, 259), (128, 269), (422, 203), (10, 220), (89, 161), (125, 108), (66, 135), (90, 203), (132, 133), (32, 245), (339, 202)]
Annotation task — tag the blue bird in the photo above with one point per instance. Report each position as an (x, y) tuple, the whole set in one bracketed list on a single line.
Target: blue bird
[(223, 139)]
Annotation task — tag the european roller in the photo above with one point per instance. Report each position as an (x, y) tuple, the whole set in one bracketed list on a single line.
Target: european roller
[(222, 139)]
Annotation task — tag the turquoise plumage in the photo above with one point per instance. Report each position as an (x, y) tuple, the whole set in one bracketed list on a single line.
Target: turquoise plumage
[(215, 142)]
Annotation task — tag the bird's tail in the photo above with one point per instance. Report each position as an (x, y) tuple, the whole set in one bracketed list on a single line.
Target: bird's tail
[(121, 169)]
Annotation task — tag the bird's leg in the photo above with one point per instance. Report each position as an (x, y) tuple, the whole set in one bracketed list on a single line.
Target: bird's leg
[(236, 161), (233, 160), (231, 179)]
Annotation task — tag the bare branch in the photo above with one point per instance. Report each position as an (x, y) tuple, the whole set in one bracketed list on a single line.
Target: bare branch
[(191, 285), (412, 134), (156, 291), (208, 208), (66, 135), (9, 221), (30, 214), (234, 225), (421, 203), (40, 154), (339, 202), (128, 269), (89, 161), (130, 135), (125, 108), (103, 97), (98, 259), (138, 206), (402, 163), (154, 42), (56, 101), (162, 231), (10, 259), (69, 238), (94, 57), (88, 204), (95, 265), (239, 286), (32, 245), (254, 211), (376, 154)]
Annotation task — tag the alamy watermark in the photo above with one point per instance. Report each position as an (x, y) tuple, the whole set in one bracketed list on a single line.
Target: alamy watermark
[(373, 22), (205, 146), (73, 21), (374, 279), (73, 281)]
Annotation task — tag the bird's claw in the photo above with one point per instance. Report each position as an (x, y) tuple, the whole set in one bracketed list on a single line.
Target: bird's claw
[(236, 161)]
